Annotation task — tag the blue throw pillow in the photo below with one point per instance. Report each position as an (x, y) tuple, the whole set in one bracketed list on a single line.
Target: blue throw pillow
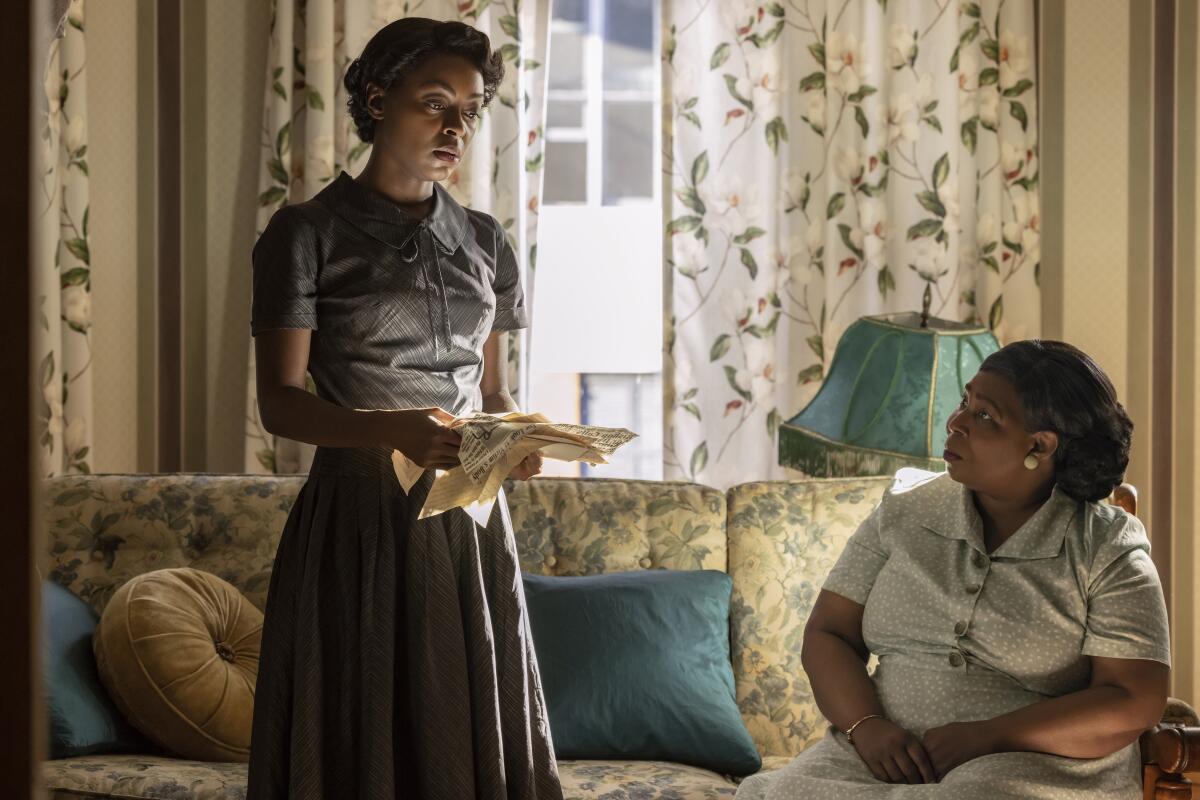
[(83, 719), (635, 666)]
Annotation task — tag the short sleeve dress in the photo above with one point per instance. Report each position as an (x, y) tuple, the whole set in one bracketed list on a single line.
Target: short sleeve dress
[(396, 654), (962, 634)]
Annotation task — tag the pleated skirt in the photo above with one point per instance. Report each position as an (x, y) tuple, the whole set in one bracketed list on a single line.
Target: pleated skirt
[(396, 655)]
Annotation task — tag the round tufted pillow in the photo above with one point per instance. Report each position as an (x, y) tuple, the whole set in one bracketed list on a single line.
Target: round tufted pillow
[(177, 650)]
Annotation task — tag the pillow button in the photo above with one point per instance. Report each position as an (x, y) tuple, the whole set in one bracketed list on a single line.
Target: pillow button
[(550, 561), (646, 563)]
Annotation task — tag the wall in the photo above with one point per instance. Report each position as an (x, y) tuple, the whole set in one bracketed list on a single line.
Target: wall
[(1095, 187), (113, 141), (236, 49), (223, 61), (1098, 80)]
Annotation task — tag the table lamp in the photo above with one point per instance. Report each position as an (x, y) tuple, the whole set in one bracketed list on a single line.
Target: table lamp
[(894, 381)]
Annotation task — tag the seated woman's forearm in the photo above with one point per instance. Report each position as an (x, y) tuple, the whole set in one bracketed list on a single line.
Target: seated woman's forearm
[(1090, 723), (299, 415), (838, 674)]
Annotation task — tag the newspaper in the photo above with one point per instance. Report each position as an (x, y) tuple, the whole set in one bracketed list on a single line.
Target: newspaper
[(492, 445)]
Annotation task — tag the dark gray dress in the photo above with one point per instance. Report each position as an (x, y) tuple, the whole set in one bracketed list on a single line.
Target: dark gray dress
[(396, 654)]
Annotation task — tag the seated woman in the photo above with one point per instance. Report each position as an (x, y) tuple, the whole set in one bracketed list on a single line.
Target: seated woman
[(1018, 621)]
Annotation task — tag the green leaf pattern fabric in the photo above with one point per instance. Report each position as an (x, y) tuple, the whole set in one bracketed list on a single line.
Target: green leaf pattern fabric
[(827, 160), (62, 274)]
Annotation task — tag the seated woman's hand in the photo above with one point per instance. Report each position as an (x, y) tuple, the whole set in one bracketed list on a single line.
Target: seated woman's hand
[(956, 743), (893, 754), (527, 467)]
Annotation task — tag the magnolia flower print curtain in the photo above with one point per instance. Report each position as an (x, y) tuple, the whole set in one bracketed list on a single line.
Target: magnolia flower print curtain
[(62, 277), (826, 160)]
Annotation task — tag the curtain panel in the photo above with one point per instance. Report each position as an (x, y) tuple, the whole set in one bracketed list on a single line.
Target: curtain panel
[(62, 279), (826, 160)]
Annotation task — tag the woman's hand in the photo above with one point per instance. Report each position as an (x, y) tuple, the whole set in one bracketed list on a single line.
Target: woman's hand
[(893, 754), (424, 435), (527, 467), (956, 743)]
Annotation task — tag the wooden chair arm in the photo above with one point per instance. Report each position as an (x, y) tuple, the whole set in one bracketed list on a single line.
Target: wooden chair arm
[(1172, 748), (1169, 750)]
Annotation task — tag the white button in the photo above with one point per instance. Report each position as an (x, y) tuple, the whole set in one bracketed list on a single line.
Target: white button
[(550, 561), (646, 562)]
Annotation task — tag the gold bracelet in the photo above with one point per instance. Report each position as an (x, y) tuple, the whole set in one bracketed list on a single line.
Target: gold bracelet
[(850, 730)]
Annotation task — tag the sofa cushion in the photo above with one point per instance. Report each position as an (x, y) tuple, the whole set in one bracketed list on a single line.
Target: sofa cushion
[(636, 665), (178, 652), (83, 718), (618, 780), (103, 529), (571, 526), (783, 539), (173, 779), (144, 776)]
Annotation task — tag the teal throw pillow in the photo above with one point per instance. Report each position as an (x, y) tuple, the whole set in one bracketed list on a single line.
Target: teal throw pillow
[(635, 666), (83, 718)]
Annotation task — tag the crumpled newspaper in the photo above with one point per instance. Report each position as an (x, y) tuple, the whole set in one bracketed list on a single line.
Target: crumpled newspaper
[(492, 445)]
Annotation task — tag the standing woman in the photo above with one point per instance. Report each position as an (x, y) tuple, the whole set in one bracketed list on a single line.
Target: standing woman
[(396, 654)]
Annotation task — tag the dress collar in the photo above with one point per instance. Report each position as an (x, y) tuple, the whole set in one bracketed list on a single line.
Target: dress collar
[(1041, 536), (379, 217)]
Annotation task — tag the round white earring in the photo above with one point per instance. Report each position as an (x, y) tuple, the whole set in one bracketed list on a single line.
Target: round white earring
[(1031, 461)]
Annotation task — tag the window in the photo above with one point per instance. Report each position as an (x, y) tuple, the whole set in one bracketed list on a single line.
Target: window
[(596, 355)]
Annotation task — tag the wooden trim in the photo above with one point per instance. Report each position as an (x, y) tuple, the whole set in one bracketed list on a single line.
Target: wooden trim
[(1187, 408), (22, 726), (1050, 59), (147, 256), (1138, 254), (1162, 330), (192, 169), (170, 227)]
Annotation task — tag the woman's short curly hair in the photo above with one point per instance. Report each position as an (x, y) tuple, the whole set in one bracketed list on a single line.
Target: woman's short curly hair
[(401, 46), (1063, 390)]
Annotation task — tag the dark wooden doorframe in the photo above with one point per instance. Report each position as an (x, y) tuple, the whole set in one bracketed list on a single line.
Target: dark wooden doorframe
[(169, 315), (21, 725)]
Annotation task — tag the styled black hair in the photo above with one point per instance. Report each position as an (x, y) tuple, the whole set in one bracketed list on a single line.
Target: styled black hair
[(1063, 390), (401, 46)]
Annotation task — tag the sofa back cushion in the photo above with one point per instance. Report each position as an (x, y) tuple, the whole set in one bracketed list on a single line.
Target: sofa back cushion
[(103, 530), (783, 539), (569, 526)]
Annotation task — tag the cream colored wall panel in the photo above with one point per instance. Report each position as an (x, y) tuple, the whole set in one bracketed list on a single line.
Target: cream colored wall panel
[(236, 65), (1096, 177), (112, 134)]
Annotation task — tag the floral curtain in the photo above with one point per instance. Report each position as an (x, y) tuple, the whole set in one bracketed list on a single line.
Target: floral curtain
[(829, 159), (62, 260), (308, 137)]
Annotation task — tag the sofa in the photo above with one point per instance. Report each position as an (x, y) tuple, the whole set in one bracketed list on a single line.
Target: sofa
[(777, 540)]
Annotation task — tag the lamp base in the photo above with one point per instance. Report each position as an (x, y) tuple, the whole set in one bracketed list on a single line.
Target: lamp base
[(818, 457)]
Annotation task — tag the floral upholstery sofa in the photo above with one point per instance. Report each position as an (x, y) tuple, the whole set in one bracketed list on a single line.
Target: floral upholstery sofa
[(776, 540)]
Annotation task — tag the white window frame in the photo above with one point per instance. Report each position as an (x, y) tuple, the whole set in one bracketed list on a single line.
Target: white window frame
[(593, 96)]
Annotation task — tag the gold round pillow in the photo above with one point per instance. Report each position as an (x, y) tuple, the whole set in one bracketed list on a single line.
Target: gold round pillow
[(177, 650)]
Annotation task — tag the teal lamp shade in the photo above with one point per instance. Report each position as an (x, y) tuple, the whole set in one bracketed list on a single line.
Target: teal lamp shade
[(884, 404)]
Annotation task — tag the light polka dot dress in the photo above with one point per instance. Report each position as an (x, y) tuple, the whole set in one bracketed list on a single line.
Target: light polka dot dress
[(962, 634)]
